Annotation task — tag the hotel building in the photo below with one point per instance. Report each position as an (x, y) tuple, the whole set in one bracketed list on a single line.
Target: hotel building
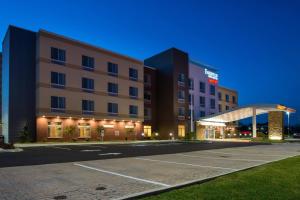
[(61, 89), (228, 99)]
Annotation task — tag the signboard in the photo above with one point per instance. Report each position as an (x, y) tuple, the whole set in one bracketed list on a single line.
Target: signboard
[(211, 74)]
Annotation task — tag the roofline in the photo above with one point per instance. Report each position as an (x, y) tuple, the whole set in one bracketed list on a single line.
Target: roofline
[(233, 90), (290, 110), (150, 67), (202, 65), (87, 45)]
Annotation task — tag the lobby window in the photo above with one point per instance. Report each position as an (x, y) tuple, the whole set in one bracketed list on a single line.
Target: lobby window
[(112, 108), (133, 74), (220, 108), (212, 90), (181, 112), (58, 104), (58, 80), (55, 130), (84, 130), (147, 96), (233, 100), (202, 87), (87, 107), (227, 107), (112, 69), (147, 79), (202, 113), (133, 110), (191, 84), (112, 89), (202, 101), (212, 103), (133, 92), (220, 96), (181, 95), (87, 84), (58, 56), (147, 113), (227, 98), (87, 63)]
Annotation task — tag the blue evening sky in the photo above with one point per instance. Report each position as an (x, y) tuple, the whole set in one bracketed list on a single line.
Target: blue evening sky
[(255, 44)]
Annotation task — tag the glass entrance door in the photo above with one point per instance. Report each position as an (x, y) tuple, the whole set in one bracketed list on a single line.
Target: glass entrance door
[(210, 133)]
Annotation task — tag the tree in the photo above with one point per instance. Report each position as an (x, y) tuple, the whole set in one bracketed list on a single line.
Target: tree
[(25, 135), (100, 131), (70, 131)]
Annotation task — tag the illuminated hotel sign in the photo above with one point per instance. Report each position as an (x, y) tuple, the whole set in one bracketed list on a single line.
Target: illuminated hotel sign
[(211, 74), (212, 77)]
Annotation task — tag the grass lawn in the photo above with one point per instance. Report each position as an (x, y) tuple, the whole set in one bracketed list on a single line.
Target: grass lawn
[(278, 180)]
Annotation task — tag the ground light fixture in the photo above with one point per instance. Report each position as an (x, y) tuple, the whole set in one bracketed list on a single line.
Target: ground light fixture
[(156, 134)]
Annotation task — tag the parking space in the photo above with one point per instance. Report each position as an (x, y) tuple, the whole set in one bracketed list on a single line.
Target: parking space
[(128, 176)]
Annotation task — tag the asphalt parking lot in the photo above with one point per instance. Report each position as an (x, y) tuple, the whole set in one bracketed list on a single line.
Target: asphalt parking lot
[(120, 172)]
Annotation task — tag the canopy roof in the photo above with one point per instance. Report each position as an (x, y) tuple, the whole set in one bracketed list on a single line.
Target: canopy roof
[(245, 112)]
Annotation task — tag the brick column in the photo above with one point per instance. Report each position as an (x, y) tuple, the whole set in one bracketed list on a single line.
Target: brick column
[(275, 119)]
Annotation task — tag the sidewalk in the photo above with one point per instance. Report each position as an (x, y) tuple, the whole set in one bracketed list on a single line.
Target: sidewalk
[(21, 145)]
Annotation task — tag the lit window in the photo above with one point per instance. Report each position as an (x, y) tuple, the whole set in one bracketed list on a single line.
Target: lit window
[(84, 130), (55, 130)]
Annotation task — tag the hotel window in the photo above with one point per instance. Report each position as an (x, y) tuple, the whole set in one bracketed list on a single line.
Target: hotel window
[(112, 69), (147, 79), (84, 130), (220, 108), (133, 92), (202, 87), (220, 96), (112, 89), (147, 96), (227, 98), (58, 80), (191, 84), (202, 113), (147, 113), (233, 100), (212, 103), (112, 108), (87, 107), (181, 95), (212, 90), (87, 84), (227, 107), (55, 130), (133, 110), (181, 112), (181, 131), (202, 102), (181, 79), (58, 104), (191, 99), (58, 56), (87, 62), (133, 74)]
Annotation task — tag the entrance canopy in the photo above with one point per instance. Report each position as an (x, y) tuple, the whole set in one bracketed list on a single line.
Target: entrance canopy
[(242, 113)]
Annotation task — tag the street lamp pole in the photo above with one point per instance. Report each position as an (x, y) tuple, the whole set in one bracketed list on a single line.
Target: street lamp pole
[(288, 114)]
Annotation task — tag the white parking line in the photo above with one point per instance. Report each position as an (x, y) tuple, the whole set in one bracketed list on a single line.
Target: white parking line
[(91, 150), (64, 148), (122, 175), (236, 159), (107, 154), (188, 164), (243, 154), (97, 146)]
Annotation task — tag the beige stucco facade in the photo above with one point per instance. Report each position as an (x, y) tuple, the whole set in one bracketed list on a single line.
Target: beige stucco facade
[(230, 103), (73, 92)]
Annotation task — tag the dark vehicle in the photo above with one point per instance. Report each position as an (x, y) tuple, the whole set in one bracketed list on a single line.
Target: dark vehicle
[(296, 135)]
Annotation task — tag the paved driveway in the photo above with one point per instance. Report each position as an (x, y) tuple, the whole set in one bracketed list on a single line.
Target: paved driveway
[(121, 178)]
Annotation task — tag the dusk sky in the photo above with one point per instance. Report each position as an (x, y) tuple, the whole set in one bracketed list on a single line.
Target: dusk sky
[(255, 45)]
